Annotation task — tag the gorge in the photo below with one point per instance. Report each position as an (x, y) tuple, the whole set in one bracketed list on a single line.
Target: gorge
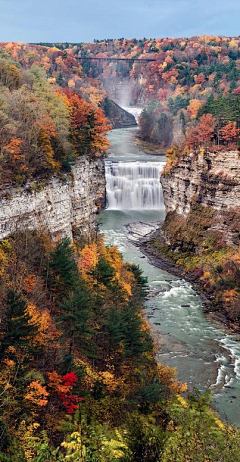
[(206, 356), (91, 326)]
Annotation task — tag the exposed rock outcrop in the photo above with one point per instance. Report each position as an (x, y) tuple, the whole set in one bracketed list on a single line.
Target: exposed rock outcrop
[(58, 206), (118, 117), (209, 179), (201, 231)]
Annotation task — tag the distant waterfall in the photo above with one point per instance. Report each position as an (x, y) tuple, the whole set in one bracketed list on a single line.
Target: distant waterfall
[(134, 185), (135, 111)]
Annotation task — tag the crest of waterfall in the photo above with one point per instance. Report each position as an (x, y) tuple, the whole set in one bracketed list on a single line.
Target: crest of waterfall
[(135, 111), (134, 185)]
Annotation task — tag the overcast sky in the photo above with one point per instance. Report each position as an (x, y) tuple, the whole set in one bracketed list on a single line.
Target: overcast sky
[(85, 20)]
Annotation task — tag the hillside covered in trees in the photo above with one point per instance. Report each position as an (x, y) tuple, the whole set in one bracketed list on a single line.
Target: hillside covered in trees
[(173, 84), (43, 128), (79, 380)]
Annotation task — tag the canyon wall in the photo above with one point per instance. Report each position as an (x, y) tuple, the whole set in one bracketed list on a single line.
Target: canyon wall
[(208, 179), (117, 116), (60, 205)]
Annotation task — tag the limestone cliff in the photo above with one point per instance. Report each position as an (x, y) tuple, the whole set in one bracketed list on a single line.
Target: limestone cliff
[(59, 205), (207, 179), (201, 232)]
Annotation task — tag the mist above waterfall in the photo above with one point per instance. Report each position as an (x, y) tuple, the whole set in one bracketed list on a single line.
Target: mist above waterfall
[(126, 93), (134, 185)]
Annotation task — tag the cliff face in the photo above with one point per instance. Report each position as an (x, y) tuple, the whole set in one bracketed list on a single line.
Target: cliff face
[(60, 205), (210, 180), (118, 117), (201, 232)]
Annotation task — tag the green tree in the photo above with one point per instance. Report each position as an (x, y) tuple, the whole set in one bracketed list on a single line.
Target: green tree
[(145, 440), (135, 340), (16, 329), (103, 272), (62, 271), (75, 321)]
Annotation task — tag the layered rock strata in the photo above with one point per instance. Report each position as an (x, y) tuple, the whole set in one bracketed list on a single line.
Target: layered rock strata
[(209, 179), (59, 205)]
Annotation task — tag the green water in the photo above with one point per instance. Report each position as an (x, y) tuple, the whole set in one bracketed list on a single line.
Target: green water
[(205, 355)]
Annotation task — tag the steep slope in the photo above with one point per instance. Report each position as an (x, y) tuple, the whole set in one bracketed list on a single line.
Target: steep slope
[(202, 226), (58, 205)]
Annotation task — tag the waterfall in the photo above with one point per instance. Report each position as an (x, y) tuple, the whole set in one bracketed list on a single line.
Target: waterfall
[(135, 111), (134, 185)]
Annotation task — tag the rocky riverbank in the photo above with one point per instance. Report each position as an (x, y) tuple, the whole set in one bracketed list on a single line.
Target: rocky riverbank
[(202, 226), (143, 235)]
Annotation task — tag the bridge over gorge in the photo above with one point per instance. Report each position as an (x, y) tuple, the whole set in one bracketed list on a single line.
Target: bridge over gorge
[(94, 58), (119, 91)]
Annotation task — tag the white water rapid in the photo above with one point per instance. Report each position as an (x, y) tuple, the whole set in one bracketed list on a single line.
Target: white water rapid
[(206, 356), (134, 185)]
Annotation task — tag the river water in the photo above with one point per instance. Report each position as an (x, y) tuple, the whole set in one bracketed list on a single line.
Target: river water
[(206, 356)]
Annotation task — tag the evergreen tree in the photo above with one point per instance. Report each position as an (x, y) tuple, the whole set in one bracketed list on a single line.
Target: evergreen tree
[(141, 281), (75, 321), (16, 330), (103, 272), (62, 271), (135, 340)]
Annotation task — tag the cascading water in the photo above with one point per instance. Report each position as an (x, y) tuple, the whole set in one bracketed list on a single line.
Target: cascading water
[(206, 356), (134, 185), (135, 111)]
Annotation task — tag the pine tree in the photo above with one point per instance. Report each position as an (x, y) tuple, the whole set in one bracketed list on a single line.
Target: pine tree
[(135, 340), (74, 321), (62, 272), (16, 330), (103, 272)]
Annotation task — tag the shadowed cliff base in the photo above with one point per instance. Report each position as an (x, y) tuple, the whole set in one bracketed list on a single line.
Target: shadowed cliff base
[(118, 117)]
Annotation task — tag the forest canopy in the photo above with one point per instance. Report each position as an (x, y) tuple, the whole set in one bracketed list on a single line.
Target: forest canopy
[(43, 128)]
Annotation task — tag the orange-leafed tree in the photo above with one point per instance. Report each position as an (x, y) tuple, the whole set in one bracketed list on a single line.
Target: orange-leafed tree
[(193, 107), (47, 332), (229, 133), (201, 134), (36, 395), (88, 125), (46, 157)]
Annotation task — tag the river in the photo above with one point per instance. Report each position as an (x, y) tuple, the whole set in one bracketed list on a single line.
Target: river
[(206, 356)]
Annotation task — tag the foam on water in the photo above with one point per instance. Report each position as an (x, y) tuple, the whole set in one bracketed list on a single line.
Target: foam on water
[(206, 355), (133, 185)]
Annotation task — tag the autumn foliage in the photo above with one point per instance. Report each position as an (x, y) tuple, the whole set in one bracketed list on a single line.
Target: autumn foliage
[(87, 125), (72, 334), (202, 133), (44, 129), (78, 374)]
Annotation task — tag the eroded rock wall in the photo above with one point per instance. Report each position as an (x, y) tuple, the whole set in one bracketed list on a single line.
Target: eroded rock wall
[(58, 206), (210, 180), (117, 116)]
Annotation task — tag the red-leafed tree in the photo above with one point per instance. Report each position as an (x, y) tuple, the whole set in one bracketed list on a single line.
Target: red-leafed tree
[(62, 386)]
